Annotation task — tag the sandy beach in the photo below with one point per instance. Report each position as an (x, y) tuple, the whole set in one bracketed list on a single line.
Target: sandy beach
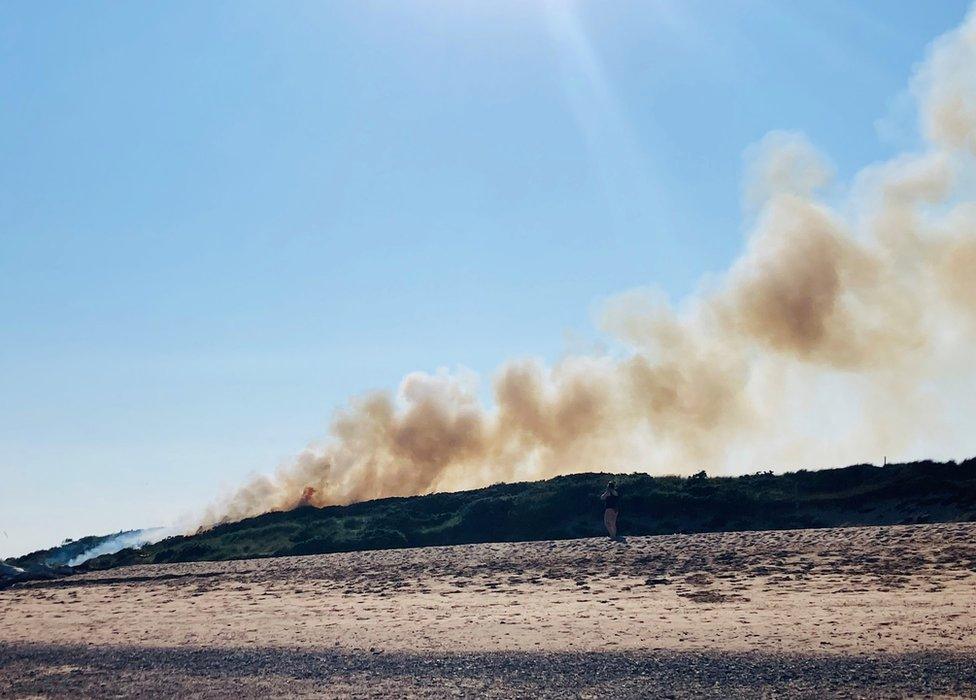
[(887, 611)]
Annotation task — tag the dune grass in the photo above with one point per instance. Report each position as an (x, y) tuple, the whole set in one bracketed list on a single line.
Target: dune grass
[(569, 507)]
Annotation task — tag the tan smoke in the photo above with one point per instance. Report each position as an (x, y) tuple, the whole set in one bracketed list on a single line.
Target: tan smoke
[(836, 337)]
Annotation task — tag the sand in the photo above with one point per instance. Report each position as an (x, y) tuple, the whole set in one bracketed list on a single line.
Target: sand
[(886, 611)]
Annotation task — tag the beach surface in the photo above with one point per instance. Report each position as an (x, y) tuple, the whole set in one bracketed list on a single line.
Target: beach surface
[(872, 611)]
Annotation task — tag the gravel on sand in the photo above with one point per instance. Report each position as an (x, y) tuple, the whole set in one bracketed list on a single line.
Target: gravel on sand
[(74, 670)]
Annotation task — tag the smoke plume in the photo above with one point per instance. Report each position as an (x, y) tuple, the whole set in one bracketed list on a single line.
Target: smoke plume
[(842, 333), (134, 539)]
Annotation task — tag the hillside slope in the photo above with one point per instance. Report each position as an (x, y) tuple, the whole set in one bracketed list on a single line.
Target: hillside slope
[(569, 507), (67, 550)]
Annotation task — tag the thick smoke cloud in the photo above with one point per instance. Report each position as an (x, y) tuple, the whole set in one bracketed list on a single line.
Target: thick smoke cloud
[(842, 333)]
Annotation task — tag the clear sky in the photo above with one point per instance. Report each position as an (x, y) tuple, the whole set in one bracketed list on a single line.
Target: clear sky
[(218, 220)]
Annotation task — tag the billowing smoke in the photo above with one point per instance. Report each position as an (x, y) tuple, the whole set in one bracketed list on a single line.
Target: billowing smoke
[(843, 333)]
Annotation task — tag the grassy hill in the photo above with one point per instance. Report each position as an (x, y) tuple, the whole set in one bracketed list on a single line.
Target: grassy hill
[(66, 551), (569, 506)]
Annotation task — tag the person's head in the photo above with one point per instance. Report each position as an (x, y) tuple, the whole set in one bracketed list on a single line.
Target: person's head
[(611, 484)]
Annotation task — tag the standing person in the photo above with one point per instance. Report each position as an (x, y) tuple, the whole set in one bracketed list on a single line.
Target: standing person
[(611, 503)]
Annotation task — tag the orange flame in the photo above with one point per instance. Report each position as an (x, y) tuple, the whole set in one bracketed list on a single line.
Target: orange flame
[(307, 496)]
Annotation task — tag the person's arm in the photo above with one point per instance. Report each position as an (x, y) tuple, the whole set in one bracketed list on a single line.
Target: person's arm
[(603, 496)]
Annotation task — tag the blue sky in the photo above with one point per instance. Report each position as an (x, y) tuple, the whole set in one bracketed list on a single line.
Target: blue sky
[(219, 220)]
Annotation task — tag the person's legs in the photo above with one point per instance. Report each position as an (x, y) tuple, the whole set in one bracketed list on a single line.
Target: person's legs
[(610, 520)]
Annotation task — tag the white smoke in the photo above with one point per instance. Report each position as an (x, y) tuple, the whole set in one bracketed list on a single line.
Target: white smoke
[(126, 540)]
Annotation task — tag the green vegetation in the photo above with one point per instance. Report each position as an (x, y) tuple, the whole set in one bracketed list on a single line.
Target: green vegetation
[(569, 506), (65, 552)]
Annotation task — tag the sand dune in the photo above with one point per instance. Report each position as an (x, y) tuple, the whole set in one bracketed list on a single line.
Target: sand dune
[(875, 611)]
